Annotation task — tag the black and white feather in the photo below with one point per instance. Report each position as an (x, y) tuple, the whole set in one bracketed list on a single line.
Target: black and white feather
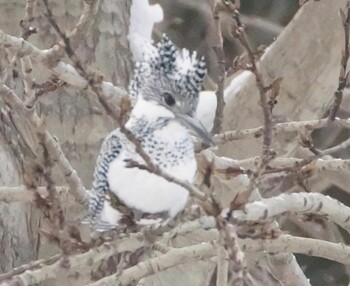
[(183, 71), (165, 90)]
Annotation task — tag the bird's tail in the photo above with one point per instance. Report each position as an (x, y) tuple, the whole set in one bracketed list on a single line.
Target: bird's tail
[(107, 219)]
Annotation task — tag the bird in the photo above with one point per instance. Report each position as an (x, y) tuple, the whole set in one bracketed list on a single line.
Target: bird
[(165, 90), (143, 18)]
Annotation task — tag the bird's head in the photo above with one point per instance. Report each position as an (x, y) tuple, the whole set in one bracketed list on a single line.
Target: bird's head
[(172, 79)]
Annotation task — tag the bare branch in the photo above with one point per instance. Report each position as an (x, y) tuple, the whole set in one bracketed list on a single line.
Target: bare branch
[(222, 266), (86, 20), (267, 209), (22, 194), (340, 147), (25, 23), (30, 266), (113, 95), (343, 74), (83, 26), (232, 253), (53, 147), (170, 259), (308, 246), (284, 127), (219, 51), (311, 165), (74, 262), (268, 120)]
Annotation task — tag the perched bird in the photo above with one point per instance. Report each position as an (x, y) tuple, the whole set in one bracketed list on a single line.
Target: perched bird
[(165, 89)]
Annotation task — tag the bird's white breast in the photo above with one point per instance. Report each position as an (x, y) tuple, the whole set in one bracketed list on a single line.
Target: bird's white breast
[(148, 192)]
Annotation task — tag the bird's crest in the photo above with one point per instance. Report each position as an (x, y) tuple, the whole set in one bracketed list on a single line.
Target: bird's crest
[(184, 71)]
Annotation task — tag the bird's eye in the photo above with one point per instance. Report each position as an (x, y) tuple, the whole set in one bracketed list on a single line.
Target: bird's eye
[(169, 99)]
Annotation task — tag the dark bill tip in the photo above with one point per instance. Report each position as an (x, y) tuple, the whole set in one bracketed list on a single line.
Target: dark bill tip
[(192, 123)]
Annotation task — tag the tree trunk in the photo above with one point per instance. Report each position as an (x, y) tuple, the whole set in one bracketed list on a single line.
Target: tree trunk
[(75, 117), (307, 57)]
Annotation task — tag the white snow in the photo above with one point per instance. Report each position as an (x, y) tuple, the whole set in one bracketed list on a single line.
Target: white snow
[(267, 50), (206, 108), (143, 16), (236, 84)]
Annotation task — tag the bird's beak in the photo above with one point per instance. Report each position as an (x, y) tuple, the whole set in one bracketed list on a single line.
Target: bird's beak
[(193, 124)]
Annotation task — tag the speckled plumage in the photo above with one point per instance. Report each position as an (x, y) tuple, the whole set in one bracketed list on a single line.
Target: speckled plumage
[(155, 121), (182, 71)]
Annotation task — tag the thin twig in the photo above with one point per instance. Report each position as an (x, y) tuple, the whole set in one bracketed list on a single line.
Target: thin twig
[(307, 246), (277, 128), (154, 265), (267, 152), (343, 74), (26, 22), (53, 147), (22, 194), (93, 80), (222, 267), (112, 96), (67, 45), (268, 120), (219, 51), (30, 266), (315, 203), (335, 149), (228, 240), (73, 263)]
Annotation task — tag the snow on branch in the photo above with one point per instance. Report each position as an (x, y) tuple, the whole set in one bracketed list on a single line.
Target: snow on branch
[(285, 127), (314, 203), (302, 245)]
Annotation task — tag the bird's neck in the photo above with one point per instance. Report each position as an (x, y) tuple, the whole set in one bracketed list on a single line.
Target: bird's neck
[(148, 116), (164, 139)]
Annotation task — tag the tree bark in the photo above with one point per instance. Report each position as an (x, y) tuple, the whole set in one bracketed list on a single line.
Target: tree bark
[(307, 57), (75, 117)]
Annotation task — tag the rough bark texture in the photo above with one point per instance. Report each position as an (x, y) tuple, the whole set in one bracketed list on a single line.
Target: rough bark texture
[(75, 117), (307, 56)]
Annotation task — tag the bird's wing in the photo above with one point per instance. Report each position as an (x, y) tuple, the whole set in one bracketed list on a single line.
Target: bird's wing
[(110, 150)]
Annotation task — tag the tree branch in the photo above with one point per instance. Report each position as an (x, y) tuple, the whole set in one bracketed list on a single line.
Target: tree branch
[(22, 194), (343, 74), (314, 203), (53, 147), (284, 127), (268, 120), (170, 259), (113, 95), (73, 262), (308, 246), (220, 55)]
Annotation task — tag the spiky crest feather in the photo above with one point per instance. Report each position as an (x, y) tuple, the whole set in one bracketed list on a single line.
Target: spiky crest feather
[(184, 70)]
